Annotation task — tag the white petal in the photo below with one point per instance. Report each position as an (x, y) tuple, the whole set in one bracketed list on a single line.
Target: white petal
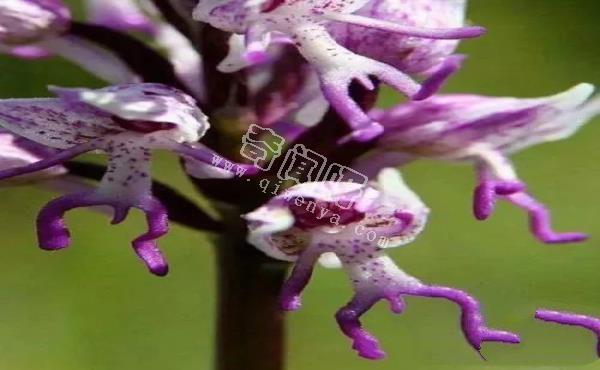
[(53, 123), (263, 223), (145, 102)]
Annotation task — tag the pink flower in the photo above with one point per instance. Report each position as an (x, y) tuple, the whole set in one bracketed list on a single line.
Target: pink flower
[(354, 225), (484, 131), (304, 23), (127, 122)]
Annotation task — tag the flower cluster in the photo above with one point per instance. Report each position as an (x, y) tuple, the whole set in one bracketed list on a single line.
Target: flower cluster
[(309, 72)]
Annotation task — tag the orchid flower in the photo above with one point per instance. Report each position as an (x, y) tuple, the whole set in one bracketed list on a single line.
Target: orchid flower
[(126, 122), (484, 131), (305, 24), (357, 224)]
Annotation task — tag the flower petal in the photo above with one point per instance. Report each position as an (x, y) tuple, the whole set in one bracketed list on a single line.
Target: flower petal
[(144, 102), (263, 223), (52, 123), (18, 152)]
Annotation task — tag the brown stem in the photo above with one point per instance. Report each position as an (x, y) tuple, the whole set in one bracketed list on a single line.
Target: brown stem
[(250, 326)]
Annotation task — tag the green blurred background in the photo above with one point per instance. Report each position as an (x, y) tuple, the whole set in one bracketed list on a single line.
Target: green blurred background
[(94, 307)]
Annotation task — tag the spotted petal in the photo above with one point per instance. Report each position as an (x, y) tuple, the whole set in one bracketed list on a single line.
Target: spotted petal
[(145, 103)]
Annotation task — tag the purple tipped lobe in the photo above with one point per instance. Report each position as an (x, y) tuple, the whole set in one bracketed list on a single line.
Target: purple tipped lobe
[(566, 318), (53, 233)]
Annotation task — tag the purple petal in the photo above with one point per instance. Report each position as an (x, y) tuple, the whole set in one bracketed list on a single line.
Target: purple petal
[(30, 52), (539, 221), (53, 234), (53, 123), (347, 318), (566, 318), (18, 152), (292, 289), (209, 157), (486, 193), (145, 245), (147, 102), (46, 163), (435, 82), (472, 321)]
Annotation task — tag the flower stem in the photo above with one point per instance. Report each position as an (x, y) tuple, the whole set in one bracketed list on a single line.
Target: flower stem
[(250, 327)]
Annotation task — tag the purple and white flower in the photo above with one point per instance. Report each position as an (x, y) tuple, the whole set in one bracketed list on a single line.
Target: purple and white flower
[(127, 122), (305, 23), (484, 131), (356, 224)]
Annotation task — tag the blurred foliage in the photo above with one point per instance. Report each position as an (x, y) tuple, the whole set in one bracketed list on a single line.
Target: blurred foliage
[(94, 307)]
